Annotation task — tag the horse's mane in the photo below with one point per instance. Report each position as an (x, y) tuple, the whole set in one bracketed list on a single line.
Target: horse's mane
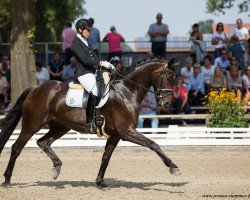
[(131, 68)]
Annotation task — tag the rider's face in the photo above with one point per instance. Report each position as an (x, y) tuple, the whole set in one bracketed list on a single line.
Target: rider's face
[(85, 33)]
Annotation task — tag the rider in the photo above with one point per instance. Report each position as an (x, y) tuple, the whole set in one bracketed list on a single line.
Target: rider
[(89, 68)]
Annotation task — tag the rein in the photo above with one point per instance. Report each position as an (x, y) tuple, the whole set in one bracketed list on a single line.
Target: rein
[(158, 92)]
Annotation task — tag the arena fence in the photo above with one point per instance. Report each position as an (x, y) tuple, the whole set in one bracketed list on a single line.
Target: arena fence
[(173, 135)]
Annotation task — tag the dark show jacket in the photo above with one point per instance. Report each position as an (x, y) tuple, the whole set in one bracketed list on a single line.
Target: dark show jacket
[(85, 57)]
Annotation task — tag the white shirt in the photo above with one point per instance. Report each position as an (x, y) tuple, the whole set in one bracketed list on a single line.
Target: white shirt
[(223, 36), (241, 33), (207, 73), (186, 74), (220, 62), (42, 76), (244, 77)]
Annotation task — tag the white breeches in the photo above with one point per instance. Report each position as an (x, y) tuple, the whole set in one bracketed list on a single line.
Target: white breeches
[(88, 81)]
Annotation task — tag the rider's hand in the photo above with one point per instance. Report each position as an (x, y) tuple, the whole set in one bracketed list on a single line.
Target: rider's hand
[(107, 65)]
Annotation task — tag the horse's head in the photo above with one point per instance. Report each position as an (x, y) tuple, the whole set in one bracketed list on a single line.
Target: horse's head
[(162, 80)]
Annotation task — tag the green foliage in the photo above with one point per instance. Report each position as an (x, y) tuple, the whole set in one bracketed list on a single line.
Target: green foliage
[(218, 7), (225, 110), (51, 17)]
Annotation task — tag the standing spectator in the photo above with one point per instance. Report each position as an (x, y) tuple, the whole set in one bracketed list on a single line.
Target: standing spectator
[(219, 39), (234, 81), (243, 35), (208, 72), (148, 107), (187, 70), (68, 35), (114, 40), (222, 60), (42, 74), (6, 72), (55, 67), (198, 47), (94, 37), (69, 72), (218, 80), (158, 36), (196, 86), (180, 102)]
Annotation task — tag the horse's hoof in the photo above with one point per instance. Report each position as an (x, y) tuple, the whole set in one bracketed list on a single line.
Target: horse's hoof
[(55, 172), (101, 184), (6, 184), (175, 171)]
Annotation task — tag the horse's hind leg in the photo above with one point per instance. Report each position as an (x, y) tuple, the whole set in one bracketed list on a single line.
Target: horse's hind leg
[(109, 148), (55, 132), (137, 138), (15, 152)]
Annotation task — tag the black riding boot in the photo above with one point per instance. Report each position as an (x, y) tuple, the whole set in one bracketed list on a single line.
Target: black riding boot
[(90, 111)]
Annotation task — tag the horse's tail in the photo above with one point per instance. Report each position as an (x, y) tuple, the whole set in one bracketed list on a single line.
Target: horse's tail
[(9, 123)]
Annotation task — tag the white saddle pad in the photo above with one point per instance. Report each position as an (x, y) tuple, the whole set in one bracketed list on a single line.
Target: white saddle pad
[(74, 98)]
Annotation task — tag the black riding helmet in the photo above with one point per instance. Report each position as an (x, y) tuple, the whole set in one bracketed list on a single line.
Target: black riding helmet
[(83, 23)]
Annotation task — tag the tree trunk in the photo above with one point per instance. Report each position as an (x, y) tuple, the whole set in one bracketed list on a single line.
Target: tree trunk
[(22, 54)]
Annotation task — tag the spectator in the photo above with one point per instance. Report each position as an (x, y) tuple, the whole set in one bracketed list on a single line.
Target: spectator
[(6, 72), (148, 107), (208, 72), (180, 101), (187, 70), (222, 60), (196, 86), (158, 36), (118, 64), (234, 63), (236, 50), (68, 35), (218, 80), (198, 47), (69, 72), (42, 74), (246, 86), (114, 40), (243, 35), (3, 90), (234, 81), (55, 67), (219, 39), (94, 37)]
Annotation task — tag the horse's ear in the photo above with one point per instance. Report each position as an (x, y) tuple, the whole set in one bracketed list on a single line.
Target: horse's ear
[(170, 63)]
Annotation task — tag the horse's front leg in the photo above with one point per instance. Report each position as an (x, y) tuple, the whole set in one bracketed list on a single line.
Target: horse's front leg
[(109, 148), (135, 137)]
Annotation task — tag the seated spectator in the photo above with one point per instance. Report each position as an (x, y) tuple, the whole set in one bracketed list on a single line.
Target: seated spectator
[(118, 64), (219, 39), (187, 70), (196, 86), (6, 72), (208, 72), (218, 80), (222, 60), (69, 72), (42, 74), (236, 50), (56, 67), (148, 107), (180, 100), (234, 82), (234, 63), (246, 86), (3, 90)]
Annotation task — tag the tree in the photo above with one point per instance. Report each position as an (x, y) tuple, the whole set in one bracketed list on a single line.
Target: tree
[(218, 7), (22, 53)]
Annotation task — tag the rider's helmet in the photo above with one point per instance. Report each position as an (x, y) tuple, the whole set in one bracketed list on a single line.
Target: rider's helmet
[(83, 23)]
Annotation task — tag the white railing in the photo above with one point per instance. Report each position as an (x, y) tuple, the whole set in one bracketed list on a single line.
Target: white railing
[(172, 135)]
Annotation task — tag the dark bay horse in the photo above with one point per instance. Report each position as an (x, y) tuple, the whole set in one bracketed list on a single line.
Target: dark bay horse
[(46, 104)]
